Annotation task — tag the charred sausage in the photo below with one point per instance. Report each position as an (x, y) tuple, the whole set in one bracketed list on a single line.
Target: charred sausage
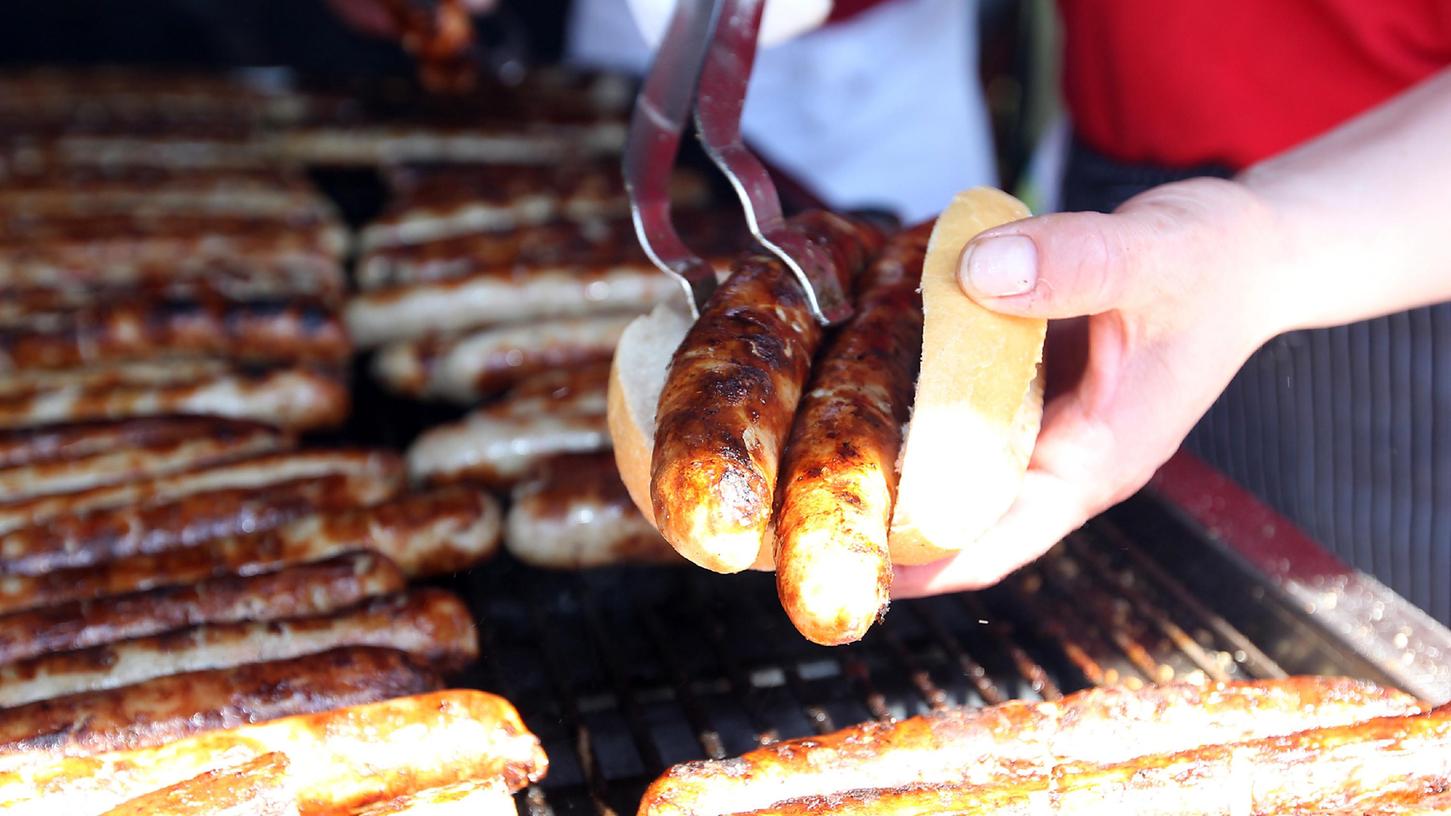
[(223, 441), (501, 443), (451, 736), (73, 541), (258, 332), (576, 514), (971, 746), (424, 534), (306, 589), (432, 625), (256, 471), (292, 398), (728, 400), (168, 708), (838, 473), (467, 368)]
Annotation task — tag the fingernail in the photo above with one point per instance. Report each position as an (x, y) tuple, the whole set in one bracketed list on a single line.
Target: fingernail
[(999, 266)]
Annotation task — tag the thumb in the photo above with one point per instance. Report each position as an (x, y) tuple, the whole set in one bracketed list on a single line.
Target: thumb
[(1056, 266)]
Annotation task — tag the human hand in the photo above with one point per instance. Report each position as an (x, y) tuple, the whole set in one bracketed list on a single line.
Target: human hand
[(1152, 310)]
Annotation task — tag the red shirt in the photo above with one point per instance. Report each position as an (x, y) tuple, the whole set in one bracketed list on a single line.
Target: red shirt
[(1186, 82)]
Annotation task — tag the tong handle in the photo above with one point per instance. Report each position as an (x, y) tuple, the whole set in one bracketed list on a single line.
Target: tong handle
[(661, 112), (719, 102)]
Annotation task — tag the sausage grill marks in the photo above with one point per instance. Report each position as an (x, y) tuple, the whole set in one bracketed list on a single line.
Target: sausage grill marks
[(730, 396), (838, 473), (167, 708), (451, 736), (258, 332), (78, 540), (435, 627), (305, 589), (428, 533)]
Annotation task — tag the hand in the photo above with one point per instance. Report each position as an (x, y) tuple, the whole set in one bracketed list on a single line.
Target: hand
[(1153, 309), (378, 18)]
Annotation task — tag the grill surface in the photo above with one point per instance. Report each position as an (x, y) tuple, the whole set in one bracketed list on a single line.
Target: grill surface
[(625, 671)]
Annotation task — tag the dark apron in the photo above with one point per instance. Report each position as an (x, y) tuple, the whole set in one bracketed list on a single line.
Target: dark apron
[(1345, 431)]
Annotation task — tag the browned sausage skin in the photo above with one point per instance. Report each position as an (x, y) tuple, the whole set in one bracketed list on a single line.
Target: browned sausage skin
[(432, 625), (257, 787), (972, 746), (451, 736), (1306, 772), (80, 539), (262, 331), (428, 533), (838, 482), (731, 393), (52, 443), (179, 705), (224, 441), (305, 589), (255, 471), (297, 398)]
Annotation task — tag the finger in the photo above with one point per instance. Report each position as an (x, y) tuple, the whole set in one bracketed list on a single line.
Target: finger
[(1056, 266), (1047, 509)]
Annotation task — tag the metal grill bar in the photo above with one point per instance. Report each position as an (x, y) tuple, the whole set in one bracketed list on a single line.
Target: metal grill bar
[(1245, 651), (1124, 582), (625, 671)]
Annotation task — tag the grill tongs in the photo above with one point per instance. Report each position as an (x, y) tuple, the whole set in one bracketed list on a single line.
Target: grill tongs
[(706, 59)]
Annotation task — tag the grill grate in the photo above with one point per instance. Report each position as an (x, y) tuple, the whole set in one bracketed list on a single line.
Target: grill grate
[(624, 671)]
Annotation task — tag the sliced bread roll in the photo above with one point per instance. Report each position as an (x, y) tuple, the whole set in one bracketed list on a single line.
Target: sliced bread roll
[(976, 410), (979, 398)]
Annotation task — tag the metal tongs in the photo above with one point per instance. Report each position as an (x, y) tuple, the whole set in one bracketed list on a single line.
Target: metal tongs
[(705, 60)]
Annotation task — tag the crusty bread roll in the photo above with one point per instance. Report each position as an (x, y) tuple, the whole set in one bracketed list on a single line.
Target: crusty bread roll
[(979, 401), (976, 411), (637, 375)]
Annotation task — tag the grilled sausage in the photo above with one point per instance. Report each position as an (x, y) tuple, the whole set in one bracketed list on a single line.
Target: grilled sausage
[(58, 442), (310, 280), (577, 514), (73, 541), (432, 625), (167, 708), (298, 399), (1298, 773), (450, 736), (467, 368), (544, 245), (970, 746), (257, 332), (257, 787), (294, 204), (283, 253), (838, 473), (305, 589), (476, 797), (553, 413), (489, 142), (728, 400), (434, 203), (225, 441), (257, 471), (425, 534), (504, 295)]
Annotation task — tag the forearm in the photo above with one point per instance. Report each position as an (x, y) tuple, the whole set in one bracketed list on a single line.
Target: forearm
[(1362, 215)]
